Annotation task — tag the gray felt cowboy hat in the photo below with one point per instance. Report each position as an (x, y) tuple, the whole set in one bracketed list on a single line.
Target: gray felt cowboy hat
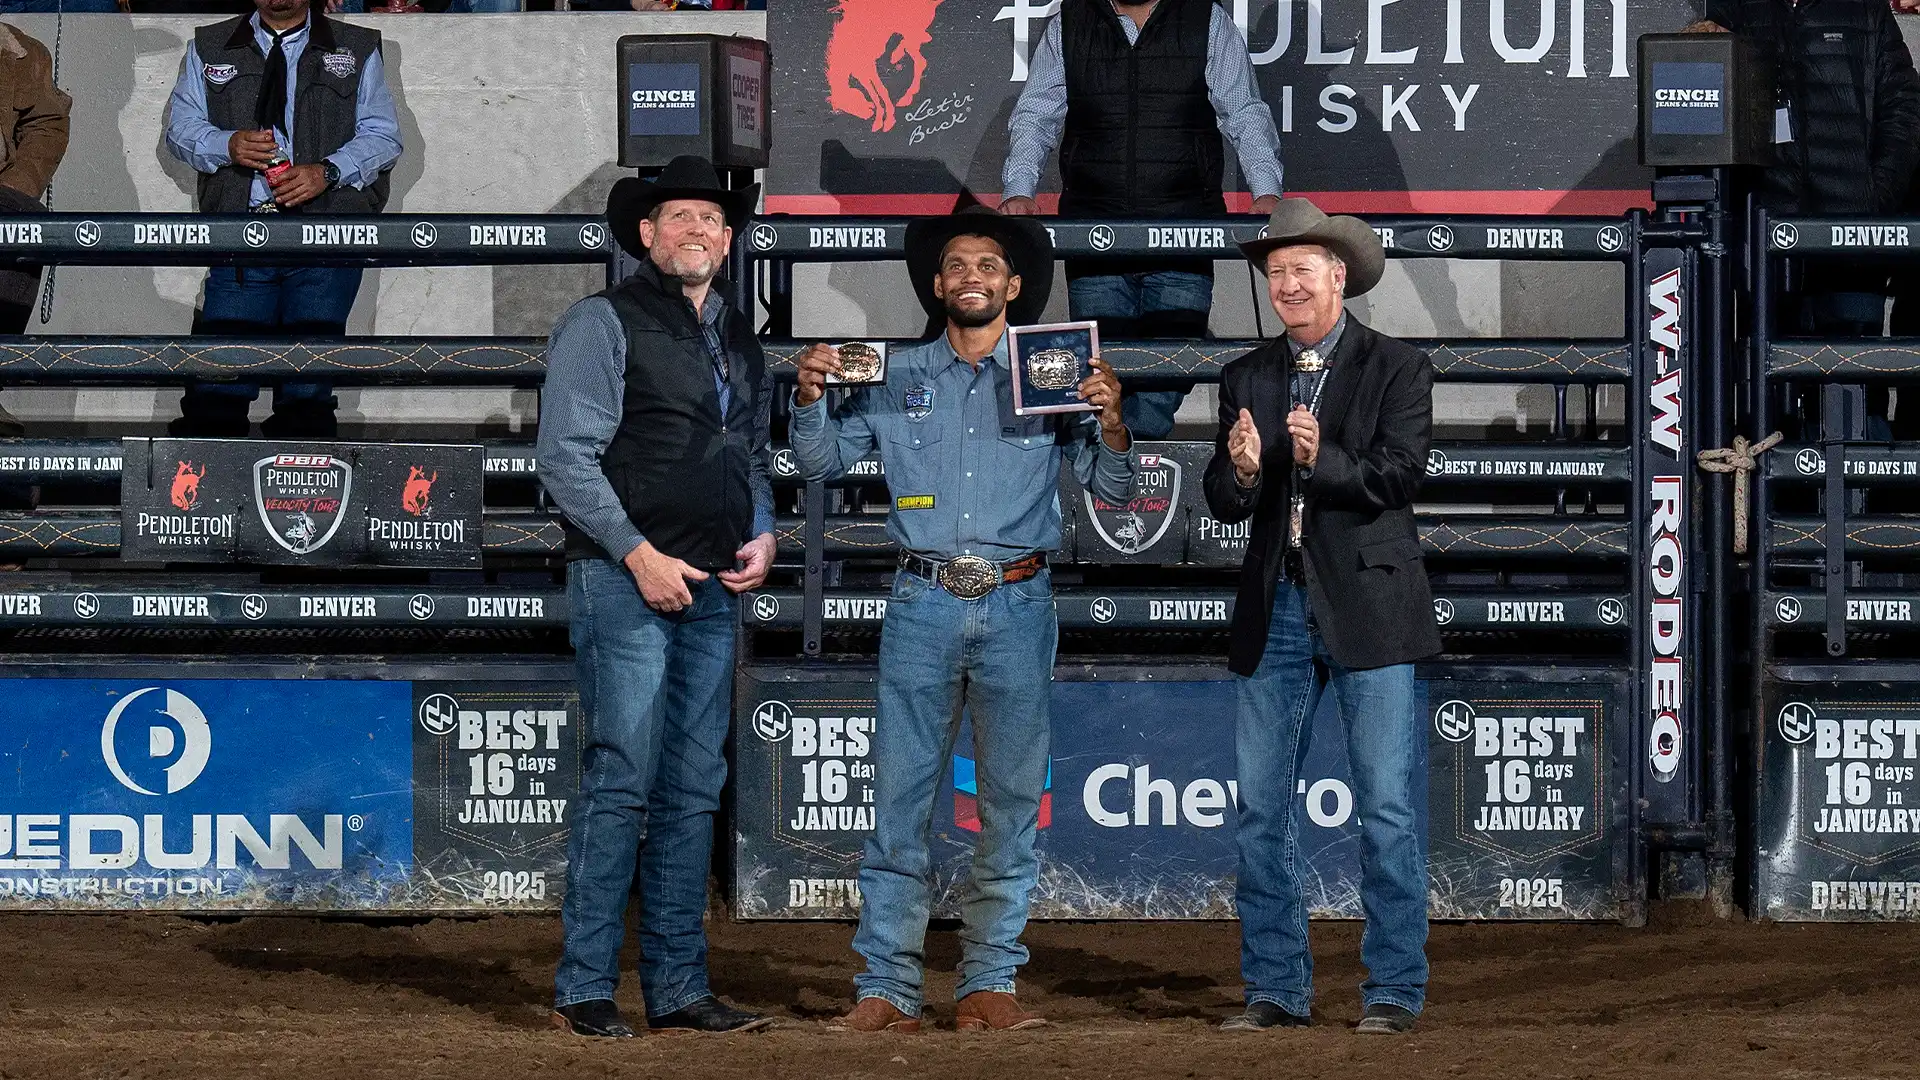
[(1297, 221)]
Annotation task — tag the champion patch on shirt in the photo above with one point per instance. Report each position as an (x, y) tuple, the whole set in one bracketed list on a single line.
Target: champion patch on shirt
[(340, 63), (919, 402), (913, 502), (221, 74)]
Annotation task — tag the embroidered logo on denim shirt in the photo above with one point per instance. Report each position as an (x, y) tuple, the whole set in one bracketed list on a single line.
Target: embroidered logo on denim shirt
[(919, 402), (913, 502), (221, 74), (340, 63)]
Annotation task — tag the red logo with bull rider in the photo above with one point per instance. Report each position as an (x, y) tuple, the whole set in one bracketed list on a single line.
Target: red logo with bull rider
[(868, 32)]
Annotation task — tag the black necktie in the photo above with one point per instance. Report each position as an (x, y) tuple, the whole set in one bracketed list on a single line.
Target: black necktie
[(273, 95)]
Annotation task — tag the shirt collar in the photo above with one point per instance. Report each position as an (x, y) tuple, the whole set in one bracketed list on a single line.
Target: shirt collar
[(1325, 345), (298, 33), (998, 355)]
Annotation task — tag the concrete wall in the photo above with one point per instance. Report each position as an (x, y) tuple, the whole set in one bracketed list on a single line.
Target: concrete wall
[(499, 113)]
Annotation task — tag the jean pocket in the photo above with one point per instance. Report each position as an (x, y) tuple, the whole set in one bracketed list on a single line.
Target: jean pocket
[(1037, 589), (908, 587)]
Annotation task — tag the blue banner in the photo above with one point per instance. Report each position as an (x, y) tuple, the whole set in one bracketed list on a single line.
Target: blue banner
[(208, 794)]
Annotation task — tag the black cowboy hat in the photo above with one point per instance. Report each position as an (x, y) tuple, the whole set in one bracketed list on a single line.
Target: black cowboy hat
[(1296, 221), (1029, 251), (685, 177)]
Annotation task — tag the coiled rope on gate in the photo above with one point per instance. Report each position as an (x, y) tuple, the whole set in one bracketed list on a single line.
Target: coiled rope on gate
[(1739, 459)]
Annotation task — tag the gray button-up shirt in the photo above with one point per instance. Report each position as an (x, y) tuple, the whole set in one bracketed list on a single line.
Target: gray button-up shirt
[(966, 475)]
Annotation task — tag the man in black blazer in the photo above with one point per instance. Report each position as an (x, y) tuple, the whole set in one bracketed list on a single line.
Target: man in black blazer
[(1322, 441)]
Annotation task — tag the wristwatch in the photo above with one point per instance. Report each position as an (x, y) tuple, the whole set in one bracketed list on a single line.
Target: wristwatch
[(333, 175)]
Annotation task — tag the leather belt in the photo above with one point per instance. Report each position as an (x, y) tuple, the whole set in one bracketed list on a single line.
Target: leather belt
[(971, 577)]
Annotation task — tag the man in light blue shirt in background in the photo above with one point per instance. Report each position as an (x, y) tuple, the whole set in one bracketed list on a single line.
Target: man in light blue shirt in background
[(281, 111)]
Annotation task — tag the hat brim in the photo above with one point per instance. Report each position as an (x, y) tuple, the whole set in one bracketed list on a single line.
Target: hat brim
[(632, 199), (1351, 239), (1029, 249)]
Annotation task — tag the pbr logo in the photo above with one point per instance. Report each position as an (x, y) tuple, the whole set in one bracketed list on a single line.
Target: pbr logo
[(439, 714), (87, 234), (420, 606), (1436, 463), (1440, 238), (766, 608), (1103, 610), (301, 498), (593, 236), (1809, 462), (253, 606), (1610, 239), (784, 465), (1612, 611), (772, 720), (1796, 722), (1100, 238), (1136, 525), (424, 234), (1442, 610), (256, 234), (86, 605), (765, 237), (1454, 721), (1785, 236)]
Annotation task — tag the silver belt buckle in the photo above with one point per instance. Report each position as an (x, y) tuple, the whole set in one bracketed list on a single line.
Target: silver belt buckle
[(969, 577)]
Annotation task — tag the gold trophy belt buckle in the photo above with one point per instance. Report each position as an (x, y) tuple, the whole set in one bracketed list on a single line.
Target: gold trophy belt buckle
[(1053, 369), (968, 577)]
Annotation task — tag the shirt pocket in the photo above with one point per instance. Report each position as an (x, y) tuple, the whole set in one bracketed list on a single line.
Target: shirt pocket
[(1027, 433), (1390, 555)]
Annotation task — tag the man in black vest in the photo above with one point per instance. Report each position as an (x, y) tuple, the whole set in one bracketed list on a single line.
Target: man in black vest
[(1138, 96), (653, 443), (283, 110), (1322, 442)]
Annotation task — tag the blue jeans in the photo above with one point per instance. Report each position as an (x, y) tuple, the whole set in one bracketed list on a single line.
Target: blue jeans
[(654, 692), (1276, 710), (271, 301), (1170, 304), (937, 651)]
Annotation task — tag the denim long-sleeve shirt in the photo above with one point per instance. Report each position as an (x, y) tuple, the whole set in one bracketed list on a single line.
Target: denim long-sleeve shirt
[(192, 138), (580, 413), (1039, 117), (967, 476)]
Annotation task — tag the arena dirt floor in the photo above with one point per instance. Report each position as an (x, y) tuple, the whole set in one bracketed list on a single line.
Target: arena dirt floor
[(158, 996)]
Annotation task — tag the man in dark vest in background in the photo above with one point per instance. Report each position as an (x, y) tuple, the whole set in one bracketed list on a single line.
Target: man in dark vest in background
[(282, 111), (653, 442), (1138, 96)]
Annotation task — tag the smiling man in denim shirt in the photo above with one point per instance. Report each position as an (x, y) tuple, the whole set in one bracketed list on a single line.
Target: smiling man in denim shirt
[(975, 510)]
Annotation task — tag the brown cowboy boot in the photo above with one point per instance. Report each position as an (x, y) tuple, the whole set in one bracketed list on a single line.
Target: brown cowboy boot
[(991, 1010), (874, 1015)]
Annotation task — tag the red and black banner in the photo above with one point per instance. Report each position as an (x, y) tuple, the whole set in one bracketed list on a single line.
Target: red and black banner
[(1383, 106)]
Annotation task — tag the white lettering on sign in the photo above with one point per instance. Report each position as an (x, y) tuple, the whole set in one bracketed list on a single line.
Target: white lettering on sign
[(1187, 610), (26, 234), (13, 604), (1870, 236), (507, 235), (172, 234), (340, 235), (506, 607), (1526, 611), (847, 238), (336, 607), (1527, 239), (1165, 237), (169, 607), (854, 609), (1880, 610)]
